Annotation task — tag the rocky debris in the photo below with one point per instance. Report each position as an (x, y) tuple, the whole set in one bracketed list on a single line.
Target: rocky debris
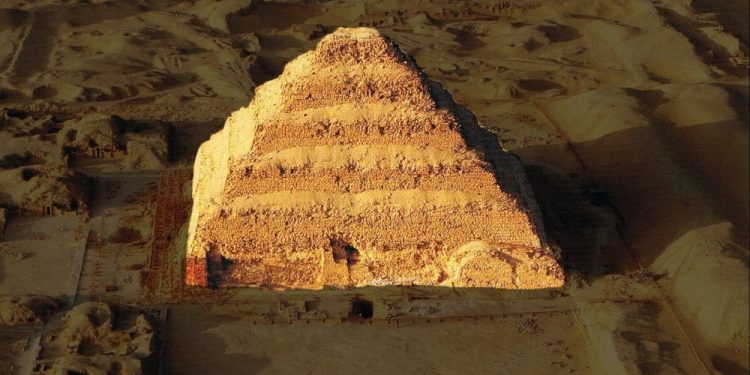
[(361, 171), (45, 190), (27, 310), (95, 338)]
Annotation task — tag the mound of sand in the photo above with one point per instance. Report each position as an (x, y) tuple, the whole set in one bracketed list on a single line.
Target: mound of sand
[(140, 54), (28, 139), (361, 171)]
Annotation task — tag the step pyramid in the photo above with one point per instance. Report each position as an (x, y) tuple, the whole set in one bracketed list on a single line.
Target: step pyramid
[(352, 168)]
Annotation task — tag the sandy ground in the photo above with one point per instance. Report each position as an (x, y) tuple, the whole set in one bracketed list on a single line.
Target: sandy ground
[(412, 347), (38, 255), (629, 116), (121, 228)]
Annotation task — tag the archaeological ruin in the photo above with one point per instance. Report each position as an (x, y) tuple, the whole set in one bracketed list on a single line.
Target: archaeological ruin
[(352, 169)]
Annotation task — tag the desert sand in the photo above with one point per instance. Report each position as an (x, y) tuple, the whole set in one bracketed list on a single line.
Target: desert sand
[(629, 119)]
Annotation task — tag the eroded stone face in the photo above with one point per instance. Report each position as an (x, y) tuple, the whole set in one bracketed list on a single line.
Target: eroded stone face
[(351, 169)]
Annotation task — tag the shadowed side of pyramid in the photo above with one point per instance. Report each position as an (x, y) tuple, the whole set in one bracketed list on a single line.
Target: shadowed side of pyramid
[(352, 168)]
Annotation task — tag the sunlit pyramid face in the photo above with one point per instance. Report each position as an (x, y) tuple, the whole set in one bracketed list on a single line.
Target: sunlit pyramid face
[(353, 168)]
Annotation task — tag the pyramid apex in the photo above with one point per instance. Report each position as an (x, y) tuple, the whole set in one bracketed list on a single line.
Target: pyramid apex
[(356, 33)]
